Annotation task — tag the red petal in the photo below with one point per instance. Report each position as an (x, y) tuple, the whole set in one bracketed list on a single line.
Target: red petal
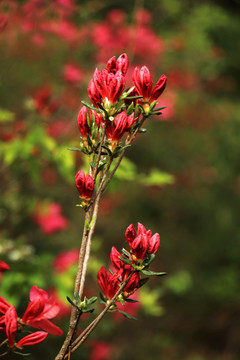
[(32, 339)]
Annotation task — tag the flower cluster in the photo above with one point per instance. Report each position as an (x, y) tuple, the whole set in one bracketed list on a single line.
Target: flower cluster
[(40, 309), (127, 265), (116, 111)]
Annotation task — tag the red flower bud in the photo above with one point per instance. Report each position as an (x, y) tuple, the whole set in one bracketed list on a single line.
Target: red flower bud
[(130, 234), (121, 64), (82, 122), (93, 94), (85, 185), (121, 124), (143, 83), (32, 339)]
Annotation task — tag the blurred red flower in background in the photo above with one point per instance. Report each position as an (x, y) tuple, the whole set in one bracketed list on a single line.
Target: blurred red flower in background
[(49, 217)]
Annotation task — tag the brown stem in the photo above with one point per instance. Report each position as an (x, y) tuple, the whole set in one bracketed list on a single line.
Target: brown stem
[(128, 141)]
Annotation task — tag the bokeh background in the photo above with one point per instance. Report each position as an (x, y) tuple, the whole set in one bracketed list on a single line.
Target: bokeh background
[(181, 179)]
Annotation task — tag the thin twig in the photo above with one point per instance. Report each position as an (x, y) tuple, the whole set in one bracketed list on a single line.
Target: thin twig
[(83, 336)]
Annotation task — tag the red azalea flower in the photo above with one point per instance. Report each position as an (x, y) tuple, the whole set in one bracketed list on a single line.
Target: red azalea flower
[(143, 83), (85, 185), (72, 73), (49, 218), (40, 309), (100, 351), (108, 283), (65, 259)]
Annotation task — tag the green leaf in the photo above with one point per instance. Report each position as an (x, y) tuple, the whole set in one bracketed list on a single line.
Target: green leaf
[(142, 282), (131, 300), (71, 302), (128, 316), (22, 354), (160, 108), (126, 261), (88, 105), (77, 298), (125, 252), (134, 97), (151, 273), (102, 301), (92, 300), (74, 149)]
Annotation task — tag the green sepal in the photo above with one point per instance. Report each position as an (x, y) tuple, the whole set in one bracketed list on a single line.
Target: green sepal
[(127, 315), (151, 273)]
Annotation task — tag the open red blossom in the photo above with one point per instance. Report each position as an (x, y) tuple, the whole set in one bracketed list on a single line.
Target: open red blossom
[(143, 83), (85, 185), (141, 242), (11, 325), (108, 283), (32, 339), (49, 217), (121, 124), (40, 309)]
